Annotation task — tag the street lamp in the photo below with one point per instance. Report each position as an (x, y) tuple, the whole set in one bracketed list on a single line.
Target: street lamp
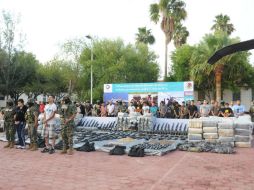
[(91, 98)]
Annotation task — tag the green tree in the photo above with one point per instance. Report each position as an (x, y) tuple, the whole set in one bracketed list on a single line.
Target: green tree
[(222, 24), (181, 63), (171, 12), (224, 72), (70, 53), (145, 36), (190, 63), (180, 36), (115, 62), (53, 78), (11, 68)]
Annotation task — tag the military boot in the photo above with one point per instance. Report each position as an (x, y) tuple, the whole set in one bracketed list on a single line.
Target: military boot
[(31, 145), (8, 145), (12, 145), (64, 151), (70, 151), (35, 147)]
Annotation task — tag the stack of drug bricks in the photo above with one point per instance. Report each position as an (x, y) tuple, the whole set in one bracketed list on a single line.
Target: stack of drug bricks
[(195, 131), (145, 122), (226, 131), (122, 121), (132, 120), (210, 129), (243, 133)]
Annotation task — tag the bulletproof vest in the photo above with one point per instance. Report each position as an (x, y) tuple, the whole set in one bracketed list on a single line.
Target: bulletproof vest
[(8, 114), (30, 118)]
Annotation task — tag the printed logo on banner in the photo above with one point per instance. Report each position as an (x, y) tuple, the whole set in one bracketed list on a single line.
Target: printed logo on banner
[(107, 87), (188, 86)]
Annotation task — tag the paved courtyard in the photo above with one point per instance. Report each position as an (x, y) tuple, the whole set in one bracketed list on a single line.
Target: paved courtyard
[(22, 169)]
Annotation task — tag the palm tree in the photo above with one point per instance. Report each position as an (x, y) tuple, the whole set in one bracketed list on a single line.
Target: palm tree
[(180, 35), (222, 24), (170, 12), (212, 73), (145, 36)]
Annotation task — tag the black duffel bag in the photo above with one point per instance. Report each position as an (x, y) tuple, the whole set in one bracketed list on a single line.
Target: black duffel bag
[(87, 147), (137, 151), (117, 150)]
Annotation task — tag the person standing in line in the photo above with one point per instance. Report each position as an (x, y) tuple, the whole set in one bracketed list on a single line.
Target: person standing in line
[(10, 130), (238, 109), (68, 113), (20, 123), (41, 106), (145, 108), (110, 109), (49, 123), (205, 109), (32, 122), (154, 109), (193, 110), (215, 109), (251, 111)]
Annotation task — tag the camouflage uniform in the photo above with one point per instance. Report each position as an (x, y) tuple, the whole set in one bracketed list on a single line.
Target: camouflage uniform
[(9, 126), (67, 110), (30, 115)]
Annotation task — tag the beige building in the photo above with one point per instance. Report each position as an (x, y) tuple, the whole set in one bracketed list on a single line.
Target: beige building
[(246, 95)]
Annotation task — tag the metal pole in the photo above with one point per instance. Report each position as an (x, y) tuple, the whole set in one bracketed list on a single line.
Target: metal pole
[(90, 38), (91, 100)]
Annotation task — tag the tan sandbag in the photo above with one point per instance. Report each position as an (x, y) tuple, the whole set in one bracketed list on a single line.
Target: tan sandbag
[(210, 135), (211, 140), (210, 129), (194, 136), (194, 123), (209, 123), (243, 132), (195, 130), (226, 139), (228, 125), (239, 138), (245, 126), (226, 132), (243, 144)]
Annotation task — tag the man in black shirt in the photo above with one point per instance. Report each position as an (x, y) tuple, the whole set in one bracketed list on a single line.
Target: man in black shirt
[(193, 110), (226, 111), (20, 123)]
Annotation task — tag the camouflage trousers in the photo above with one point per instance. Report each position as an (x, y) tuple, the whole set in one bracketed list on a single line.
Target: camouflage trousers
[(67, 135), (10, 131), (32, 133)]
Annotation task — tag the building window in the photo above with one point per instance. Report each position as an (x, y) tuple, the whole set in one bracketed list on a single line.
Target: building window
[(236, 96), (1, 97)]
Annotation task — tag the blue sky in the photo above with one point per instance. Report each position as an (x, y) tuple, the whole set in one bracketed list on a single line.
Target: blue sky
[(49, 23)]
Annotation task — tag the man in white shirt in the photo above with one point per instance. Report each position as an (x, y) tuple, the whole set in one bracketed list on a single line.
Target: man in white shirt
[(110, 109), (145, 108), (205, 109), (131, 108), (49, 123)]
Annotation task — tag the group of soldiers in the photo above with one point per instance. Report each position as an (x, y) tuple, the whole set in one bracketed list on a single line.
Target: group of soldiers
[(16, 118)]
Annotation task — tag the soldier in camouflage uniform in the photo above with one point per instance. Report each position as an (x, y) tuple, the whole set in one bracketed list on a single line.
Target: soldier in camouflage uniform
[(31, 117), (68, 113), (10, 129)]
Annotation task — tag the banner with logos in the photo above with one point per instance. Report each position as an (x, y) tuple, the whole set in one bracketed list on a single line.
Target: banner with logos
[(151, 92)]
